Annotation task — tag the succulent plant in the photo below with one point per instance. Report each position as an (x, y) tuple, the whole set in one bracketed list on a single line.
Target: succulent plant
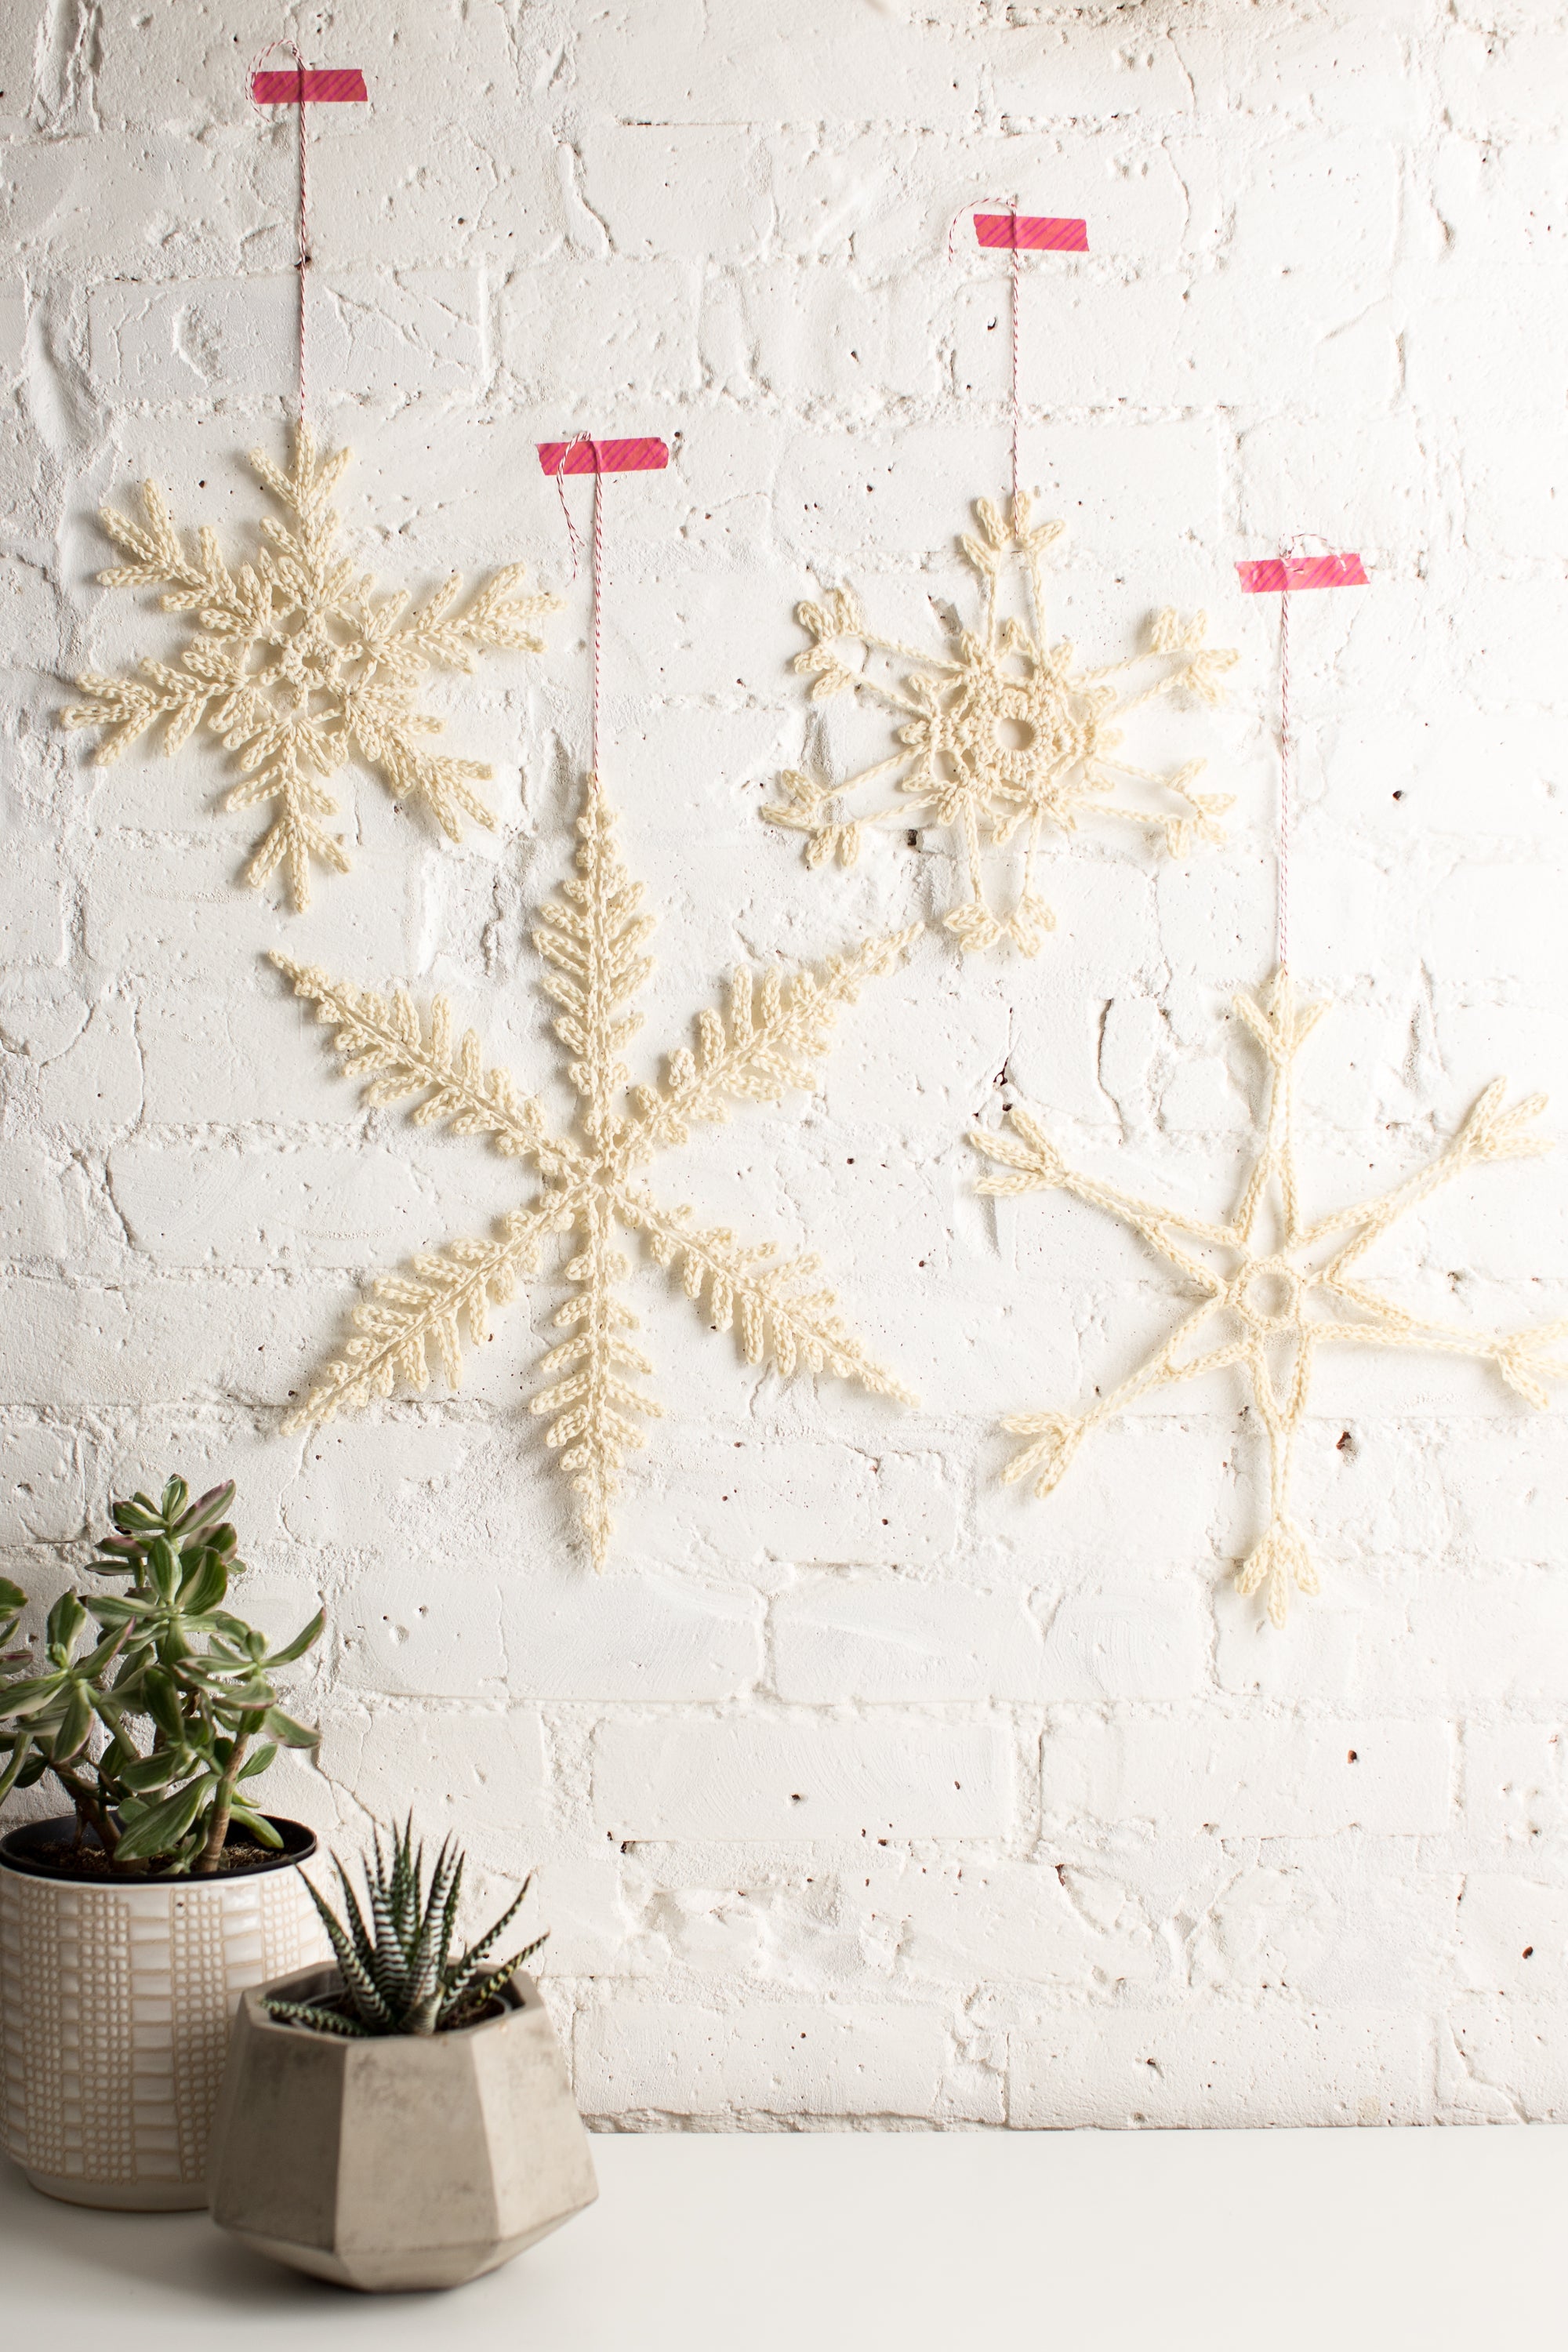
[(397, 1974), (157, 1729)]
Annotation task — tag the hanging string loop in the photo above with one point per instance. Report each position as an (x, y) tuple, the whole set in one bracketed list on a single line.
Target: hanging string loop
[(1008, 205), (1299, 543), (582, 441), (302, 262)]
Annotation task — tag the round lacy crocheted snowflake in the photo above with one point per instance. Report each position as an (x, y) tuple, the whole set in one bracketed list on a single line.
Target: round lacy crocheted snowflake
[(1001, 734)]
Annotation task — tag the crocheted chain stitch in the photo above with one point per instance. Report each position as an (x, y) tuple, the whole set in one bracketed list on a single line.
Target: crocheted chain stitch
[(1288, 1288), (1004, 733), (297, 669), (768, 1042)]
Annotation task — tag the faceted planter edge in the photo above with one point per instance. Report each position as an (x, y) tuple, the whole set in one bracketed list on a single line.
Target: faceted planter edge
[(402, 2160), (116, 2000)]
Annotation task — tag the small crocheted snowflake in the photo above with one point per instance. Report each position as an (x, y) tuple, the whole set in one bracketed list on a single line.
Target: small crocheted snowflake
[(1004, 733), (298, 669), (1284, 1287), (592, 942)]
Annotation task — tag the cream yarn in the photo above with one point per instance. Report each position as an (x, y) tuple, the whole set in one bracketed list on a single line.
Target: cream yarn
[(768, 1040), (298, 669), (1286, 1287), (1004, 733)]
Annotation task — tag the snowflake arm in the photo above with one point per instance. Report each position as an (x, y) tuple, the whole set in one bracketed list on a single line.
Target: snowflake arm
[(1198, 818), (773, 1037), (1199, 666), (124, 707), (745, 1286), (283, 761), (1523, 1358), (386, 733), (1036, 1165), (1490, 1133), (591, 939), (497, 614), (594, 1403), (828, 624), (380, 1040), (406, 1318), (810, 807), (1058, 1435)]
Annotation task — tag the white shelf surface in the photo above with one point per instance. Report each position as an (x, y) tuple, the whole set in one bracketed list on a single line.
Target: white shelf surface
[(821, 2241)]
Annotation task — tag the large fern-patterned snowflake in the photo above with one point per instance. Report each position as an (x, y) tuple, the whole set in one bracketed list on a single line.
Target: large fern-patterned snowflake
[(592, 942), (298, 669), (1287, 1286), (1003, 733)]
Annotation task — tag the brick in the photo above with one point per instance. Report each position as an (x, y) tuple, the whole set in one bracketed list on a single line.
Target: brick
[(34, 1212), (1114, 1637), (41, 1483), (1514, 1790), (814, 1499), (815, 2059), (421, 329), (1345, 1925), (887, 1637), (639, 182), (623, 1636), (1512, 1936), (611, 330), (96, 1081), (415, 1627), (1017, 1922), (1497, 81), (1221, 2064), (480, 1775), (184, 1206), (1507, 2061), (802, 1778), (1258, 1777)]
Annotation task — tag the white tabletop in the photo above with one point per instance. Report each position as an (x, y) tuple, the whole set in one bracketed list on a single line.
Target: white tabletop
[(821, 2241)]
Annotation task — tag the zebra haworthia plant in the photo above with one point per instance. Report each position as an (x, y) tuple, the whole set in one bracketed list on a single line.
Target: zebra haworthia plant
[(397, 1972)]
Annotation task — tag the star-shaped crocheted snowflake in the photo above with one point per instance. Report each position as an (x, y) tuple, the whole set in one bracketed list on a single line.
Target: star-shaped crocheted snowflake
[(1284, 1288), (1004, 733), (592, 941), (298, 669)]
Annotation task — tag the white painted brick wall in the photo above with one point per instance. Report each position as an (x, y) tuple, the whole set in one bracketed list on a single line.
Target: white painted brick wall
[(860, 1788)]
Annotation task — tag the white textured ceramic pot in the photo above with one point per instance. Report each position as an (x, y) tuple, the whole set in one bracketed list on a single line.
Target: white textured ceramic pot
[(116, 1999)]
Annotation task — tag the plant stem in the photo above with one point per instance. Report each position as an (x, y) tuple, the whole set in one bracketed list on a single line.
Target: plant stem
[(218, 1821), (88, 1809)]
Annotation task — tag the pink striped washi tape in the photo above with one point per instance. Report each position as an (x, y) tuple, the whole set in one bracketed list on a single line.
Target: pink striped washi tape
[(330, 85), (1273, 574), (585, 457), (1031, 233)]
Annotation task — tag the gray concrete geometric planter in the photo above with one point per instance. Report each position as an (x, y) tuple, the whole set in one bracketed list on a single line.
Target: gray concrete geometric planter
[(405, 2161)]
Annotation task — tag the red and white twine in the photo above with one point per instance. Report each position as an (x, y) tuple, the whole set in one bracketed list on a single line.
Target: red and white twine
[(584, 440), (1008, 205), (303, 263), (1282, 859)]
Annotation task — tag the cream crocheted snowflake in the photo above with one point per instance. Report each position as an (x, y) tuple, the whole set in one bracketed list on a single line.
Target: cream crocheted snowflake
[(298, 669), (1284, 1287), (592, 942), (1001, 734)]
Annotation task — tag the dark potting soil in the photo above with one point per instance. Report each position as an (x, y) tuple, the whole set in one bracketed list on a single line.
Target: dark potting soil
[(86, 1861), (339, 2004)]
